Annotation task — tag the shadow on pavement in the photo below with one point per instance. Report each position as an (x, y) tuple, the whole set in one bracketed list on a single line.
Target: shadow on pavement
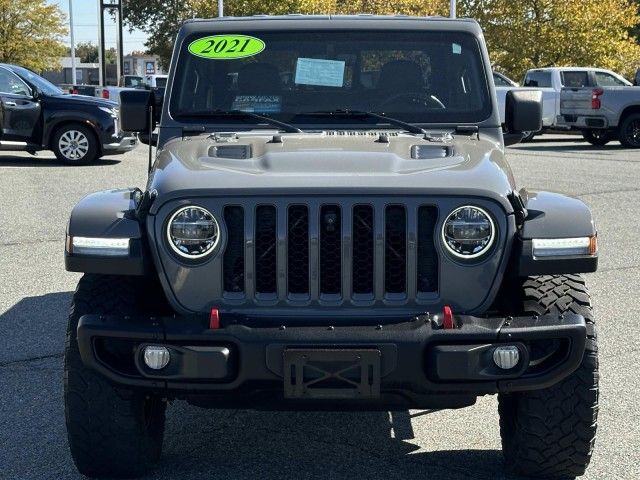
[(34, 327), (47, 160), (254, 444)]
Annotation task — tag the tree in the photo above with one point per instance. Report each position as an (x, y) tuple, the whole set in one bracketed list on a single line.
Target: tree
[(161, 19), (521, 34), (87, 52), (543, 33), (31, 33)]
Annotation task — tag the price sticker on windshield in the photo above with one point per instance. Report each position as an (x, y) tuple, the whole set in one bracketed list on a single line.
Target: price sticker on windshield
[(226, 47)]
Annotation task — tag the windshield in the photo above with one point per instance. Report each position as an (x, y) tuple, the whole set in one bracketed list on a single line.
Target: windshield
[(44, 86), (414, 76)]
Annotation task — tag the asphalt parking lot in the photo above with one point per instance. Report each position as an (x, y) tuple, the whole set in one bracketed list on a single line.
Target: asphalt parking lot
[(36, 196)]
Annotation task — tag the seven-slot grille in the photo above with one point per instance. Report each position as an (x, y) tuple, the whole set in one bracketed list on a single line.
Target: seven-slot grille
[(330, 252)]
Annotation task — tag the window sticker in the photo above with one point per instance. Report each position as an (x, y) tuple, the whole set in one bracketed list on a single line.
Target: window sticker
[(258, 103), (315, 71), (226, 47), (456, 49)]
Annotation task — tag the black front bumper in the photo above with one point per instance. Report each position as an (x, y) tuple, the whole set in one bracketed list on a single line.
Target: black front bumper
[(414, 363)]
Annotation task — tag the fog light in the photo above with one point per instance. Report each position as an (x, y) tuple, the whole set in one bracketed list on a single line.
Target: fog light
[(506, 357), (156, 357)]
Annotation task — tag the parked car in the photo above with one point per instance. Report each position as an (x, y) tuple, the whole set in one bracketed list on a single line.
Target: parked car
[(36, 115), (603, 114), (552, 80), (295, 248), (126, 82), (504, 85)]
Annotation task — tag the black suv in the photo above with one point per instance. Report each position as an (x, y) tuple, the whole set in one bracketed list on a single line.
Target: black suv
[(36, 115)]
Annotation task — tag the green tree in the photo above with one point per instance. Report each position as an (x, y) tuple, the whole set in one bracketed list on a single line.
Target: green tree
[(542, 33), (30, 34), (162, 18)]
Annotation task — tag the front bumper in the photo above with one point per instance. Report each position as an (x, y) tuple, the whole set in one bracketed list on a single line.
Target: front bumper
[(121, 145), (419, 364)]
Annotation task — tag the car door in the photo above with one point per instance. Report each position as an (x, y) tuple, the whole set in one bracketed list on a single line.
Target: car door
[(19, 110)]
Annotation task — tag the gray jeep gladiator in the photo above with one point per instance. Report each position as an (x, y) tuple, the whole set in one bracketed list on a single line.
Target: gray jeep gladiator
[(330, 223)]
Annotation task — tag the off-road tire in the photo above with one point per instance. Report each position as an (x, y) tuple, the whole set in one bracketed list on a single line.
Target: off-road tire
[(599, 138), (92, 146), (629, 134), (112, 431), (550, 433)]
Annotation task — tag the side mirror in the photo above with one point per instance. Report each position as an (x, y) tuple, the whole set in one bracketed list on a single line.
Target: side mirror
[(148, 139), (523, 111), (137, 111)]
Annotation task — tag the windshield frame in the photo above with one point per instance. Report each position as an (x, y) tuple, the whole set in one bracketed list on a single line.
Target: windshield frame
[(487, 115)]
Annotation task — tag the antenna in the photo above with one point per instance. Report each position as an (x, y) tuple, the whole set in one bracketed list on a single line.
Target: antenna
[(220, 8), (453, 9)]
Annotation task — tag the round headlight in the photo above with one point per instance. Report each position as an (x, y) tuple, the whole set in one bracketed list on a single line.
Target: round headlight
[(193, 232), (468, 232)]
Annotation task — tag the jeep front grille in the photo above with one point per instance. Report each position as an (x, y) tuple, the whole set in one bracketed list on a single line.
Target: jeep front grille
[(330, 252)]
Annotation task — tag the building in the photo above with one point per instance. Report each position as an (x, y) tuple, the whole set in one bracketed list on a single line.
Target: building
[(89, 73), (142, 65), (86, 73)]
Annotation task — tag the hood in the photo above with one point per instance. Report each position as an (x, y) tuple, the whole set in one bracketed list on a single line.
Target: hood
[(85, 100), (348, 162)]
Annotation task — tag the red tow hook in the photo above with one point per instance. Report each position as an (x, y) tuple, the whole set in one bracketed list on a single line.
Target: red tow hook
[(447, 321), (214, 319)]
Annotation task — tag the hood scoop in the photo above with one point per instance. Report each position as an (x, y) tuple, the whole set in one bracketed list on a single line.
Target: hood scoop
[(424, 152), (233, 152)]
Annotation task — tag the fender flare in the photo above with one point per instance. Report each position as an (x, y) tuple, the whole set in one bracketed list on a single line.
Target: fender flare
[(553, 215), (108, 214)]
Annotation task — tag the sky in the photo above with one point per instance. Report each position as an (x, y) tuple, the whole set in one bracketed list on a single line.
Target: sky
[(86, 28)]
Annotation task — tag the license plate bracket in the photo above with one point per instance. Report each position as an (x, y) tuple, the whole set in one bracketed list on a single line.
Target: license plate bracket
[(330, 373)]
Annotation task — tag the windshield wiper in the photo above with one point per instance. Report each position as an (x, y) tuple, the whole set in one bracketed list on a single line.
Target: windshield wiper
[(287, 127), (358, 113)]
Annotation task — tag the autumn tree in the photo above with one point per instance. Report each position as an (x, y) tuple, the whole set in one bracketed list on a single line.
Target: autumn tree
[(30, 34), (528, 34), (162, 18)]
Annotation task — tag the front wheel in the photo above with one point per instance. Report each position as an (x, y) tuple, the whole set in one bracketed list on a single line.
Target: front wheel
[(597, 137), (630, 131), (75, 144), (112, 431), (550, 433)]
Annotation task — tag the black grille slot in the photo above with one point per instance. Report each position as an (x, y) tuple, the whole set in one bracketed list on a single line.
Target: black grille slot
[(298, 249), (234, 254), (330, 249), (427, 256), (265, 249), (395, 252), (362, 249)]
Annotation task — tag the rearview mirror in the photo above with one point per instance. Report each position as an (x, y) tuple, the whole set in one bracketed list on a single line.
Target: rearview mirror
[(523, 111), (137, 111)]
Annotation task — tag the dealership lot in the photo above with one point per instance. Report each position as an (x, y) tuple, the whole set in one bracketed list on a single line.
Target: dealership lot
[(37, 195)]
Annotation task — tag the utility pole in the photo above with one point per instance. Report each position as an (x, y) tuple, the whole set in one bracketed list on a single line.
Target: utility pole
[(110, 6), (73, 45), (453, 9)]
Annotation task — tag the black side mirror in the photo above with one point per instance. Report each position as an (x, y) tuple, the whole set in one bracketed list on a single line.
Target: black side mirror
[(148, 139), (137, 111), (523, 111)]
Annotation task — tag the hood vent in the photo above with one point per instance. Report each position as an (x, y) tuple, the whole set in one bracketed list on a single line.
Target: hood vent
[(358, 133), (234, 152), (421, 152)]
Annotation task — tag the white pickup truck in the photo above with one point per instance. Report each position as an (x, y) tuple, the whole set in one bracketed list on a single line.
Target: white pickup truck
[(131, 82), (552, 80)]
